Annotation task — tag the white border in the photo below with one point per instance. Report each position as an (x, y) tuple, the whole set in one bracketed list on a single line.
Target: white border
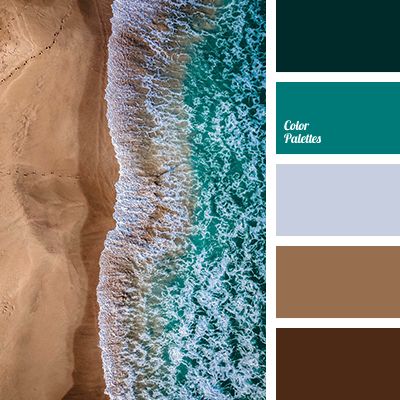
[(272, 240), (271, 321)]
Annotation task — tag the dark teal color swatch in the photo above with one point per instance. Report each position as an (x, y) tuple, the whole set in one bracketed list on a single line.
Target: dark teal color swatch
[(343, 35)]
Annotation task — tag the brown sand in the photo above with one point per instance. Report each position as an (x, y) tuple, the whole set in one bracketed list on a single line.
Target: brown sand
[(57, 172)]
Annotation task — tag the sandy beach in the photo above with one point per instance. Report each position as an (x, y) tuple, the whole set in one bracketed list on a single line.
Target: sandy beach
[(57, 173)]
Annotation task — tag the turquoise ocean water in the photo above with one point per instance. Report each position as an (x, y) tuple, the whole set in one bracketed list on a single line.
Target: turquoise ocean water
[(214, 341), (202, 308)]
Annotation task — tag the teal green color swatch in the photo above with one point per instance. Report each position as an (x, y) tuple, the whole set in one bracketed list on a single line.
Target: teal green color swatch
[(338, 118)]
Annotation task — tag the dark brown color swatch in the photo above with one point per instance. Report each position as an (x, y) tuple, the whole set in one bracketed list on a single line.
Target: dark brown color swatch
[(338, 282), (338, 364)]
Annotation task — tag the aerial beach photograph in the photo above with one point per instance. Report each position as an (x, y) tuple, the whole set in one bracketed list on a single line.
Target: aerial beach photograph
[(132, 202)]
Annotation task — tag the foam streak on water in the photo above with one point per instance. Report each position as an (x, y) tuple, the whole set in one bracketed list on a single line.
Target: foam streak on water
[(181, 284)]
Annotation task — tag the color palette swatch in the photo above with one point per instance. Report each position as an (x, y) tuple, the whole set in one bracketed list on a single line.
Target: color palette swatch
[(351, 193), (338, 282), (338, 364), (338, 200), (337, 36), (338, 118)]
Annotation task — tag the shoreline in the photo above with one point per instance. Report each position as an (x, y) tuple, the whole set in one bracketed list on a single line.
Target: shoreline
[(149, 129), (152, 211), (100, 195)]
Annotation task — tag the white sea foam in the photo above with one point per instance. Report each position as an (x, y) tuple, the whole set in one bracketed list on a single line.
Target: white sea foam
[(147, 125), (181, 305)]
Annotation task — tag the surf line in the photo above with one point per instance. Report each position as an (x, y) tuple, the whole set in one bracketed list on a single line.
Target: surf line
[(149, 128)]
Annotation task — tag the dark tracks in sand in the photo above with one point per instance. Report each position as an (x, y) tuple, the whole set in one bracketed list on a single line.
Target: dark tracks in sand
[(18, 172), (44, 50)]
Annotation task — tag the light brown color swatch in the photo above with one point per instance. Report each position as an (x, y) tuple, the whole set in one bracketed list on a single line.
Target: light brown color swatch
[(338, 282)]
